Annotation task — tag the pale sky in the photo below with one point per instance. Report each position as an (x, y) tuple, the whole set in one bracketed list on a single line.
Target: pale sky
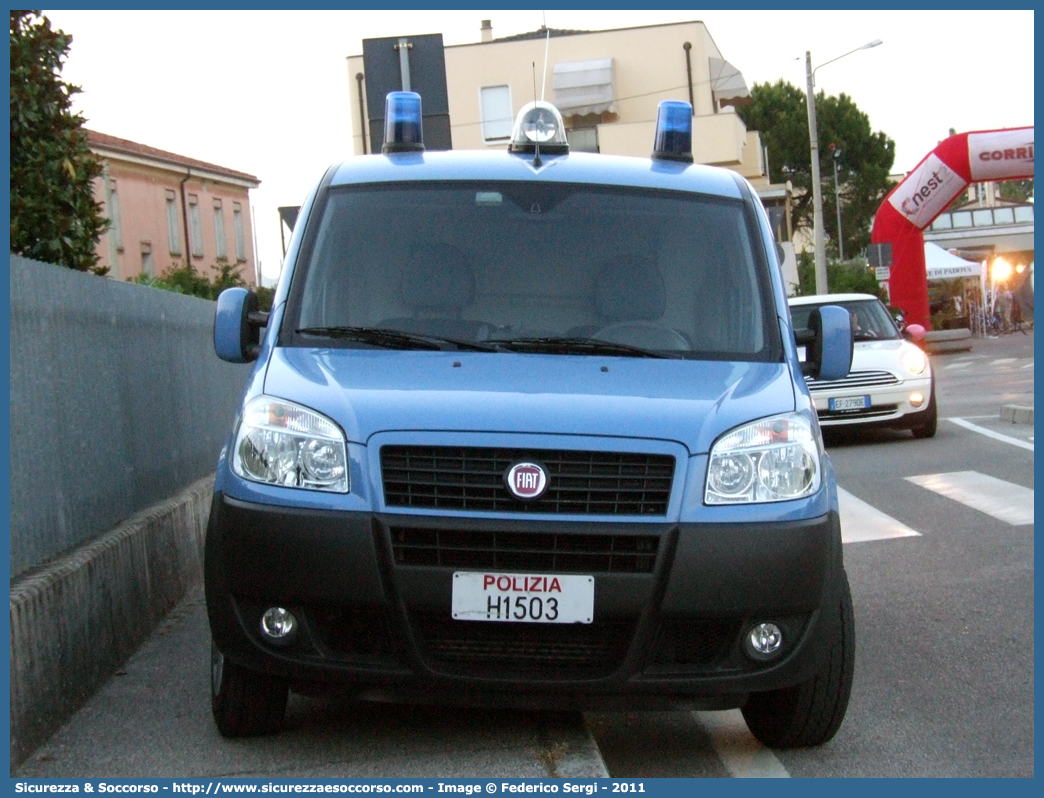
[(266, 92)]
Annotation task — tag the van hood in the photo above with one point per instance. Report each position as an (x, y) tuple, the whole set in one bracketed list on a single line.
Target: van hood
[(370, 391)]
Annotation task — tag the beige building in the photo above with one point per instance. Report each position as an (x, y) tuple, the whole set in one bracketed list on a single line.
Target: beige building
[(157, 200), (607, 85)]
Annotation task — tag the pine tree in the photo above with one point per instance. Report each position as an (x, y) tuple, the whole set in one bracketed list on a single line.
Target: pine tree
[(778, 111)]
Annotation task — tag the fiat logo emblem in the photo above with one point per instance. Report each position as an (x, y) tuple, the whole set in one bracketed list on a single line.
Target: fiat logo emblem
[(526, 481)]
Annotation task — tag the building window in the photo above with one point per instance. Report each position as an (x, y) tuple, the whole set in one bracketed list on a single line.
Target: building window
[(147, 266), (583, 139), (497, 118), (219, 229), (237, 224), (115, 228), (173, 227), (195, 226)]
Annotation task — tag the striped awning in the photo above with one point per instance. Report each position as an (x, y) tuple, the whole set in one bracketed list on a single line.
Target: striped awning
[(727, 84), (584, 87)]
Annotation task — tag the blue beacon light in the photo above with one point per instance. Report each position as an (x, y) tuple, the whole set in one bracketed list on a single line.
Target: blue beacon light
[(403, 130), (673, 140)]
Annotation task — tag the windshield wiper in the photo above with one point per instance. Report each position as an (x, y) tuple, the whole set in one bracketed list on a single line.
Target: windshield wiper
[(576, 346), (394, 339)]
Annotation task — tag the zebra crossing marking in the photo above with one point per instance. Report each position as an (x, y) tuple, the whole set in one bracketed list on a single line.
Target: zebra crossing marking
[(862, 522), (739, 751), (1002, 500), (990, 433)]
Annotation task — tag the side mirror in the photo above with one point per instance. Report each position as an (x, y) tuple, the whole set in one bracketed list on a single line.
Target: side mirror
[(237, 326), (828, 343), (914, 332)]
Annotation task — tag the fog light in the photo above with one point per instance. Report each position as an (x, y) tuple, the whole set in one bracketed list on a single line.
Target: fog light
[(763, 641), (916, 399), (278, 626)]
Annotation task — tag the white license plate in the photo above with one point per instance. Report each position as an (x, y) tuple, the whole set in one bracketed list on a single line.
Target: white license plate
[(523, 598), (850, 403)]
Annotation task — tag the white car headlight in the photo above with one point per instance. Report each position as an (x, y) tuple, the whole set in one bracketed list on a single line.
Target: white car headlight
[(914, 360), (771, 460), (280, 443)]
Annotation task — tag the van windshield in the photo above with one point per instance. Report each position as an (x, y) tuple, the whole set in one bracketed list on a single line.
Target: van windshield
[(557, 268)]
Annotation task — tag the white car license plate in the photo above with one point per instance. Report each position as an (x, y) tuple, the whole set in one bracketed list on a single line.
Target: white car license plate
[(850, 403), (523, 598)]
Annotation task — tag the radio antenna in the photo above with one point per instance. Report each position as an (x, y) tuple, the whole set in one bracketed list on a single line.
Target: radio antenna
[(534, 82), (547, 46)]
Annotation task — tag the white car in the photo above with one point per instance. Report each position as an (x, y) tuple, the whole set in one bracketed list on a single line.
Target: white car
[(891, 382)]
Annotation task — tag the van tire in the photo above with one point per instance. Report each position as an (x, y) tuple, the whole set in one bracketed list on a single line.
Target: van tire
[(810, 713), (245, 703)]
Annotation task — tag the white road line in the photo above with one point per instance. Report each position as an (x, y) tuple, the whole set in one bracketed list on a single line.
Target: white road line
[(1028, 366), (743, 756), (1002, 361), (991, 434), (861, 522), (963, 365), (1002, 500)]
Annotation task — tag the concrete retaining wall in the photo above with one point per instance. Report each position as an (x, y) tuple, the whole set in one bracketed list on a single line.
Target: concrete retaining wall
[(119, 407), (117, 402), (76, 619)]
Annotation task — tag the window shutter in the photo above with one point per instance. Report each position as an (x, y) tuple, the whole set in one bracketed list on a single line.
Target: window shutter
[(497, 118)]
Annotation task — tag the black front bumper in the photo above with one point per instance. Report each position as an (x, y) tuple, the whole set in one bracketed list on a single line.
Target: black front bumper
[(671, 609)]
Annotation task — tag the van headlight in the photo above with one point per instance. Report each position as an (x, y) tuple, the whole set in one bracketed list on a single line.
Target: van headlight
[(280, 443), (771, 460)]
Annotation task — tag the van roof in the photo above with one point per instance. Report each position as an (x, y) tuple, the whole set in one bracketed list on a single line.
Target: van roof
[(579, 167)]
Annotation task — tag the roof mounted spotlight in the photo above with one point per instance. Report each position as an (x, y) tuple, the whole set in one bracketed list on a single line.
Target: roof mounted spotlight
[(403, 131), (539, 129), (673, 140)]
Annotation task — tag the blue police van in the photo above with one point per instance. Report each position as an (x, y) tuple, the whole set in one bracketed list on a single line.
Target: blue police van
[(529, 429)]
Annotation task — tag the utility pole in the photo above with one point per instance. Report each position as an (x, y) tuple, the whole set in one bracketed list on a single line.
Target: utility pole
[(837, 203), (817, 190)]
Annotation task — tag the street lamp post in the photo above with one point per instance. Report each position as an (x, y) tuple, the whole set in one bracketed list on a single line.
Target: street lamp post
[(817, 189)]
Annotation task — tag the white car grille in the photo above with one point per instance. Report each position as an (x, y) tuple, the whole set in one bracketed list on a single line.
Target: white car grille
[(855, 379)]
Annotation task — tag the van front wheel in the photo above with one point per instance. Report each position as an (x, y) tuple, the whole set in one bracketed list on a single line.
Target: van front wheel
[(810, 714), (245, 703)]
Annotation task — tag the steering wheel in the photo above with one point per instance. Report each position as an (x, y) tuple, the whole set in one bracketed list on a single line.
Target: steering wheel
[(645, 334)]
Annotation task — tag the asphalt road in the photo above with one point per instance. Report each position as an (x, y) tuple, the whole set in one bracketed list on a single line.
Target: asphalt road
[(944, 682), (944, 618)]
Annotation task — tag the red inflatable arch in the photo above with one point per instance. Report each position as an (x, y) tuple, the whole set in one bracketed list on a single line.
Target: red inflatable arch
[(928, 191)]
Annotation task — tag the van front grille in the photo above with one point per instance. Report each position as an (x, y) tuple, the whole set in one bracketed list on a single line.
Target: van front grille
[(505, 650), (544, 552), (579, 482)]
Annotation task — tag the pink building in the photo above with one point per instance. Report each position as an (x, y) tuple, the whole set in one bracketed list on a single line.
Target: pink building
[(157, 201)]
